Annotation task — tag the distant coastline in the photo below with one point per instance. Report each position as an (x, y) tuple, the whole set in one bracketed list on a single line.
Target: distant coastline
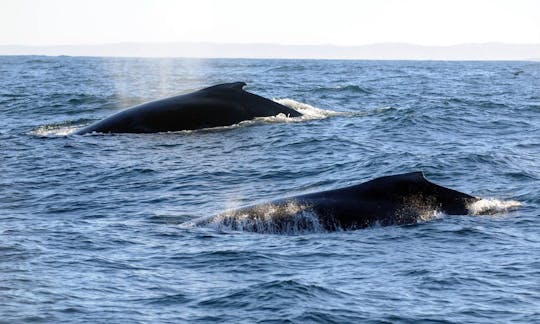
[(377, 51)]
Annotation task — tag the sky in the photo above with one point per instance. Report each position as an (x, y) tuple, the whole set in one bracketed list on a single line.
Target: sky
[(337, 22)]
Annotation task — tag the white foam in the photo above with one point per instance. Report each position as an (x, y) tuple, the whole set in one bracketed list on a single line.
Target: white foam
[(492, 206), (55, 130), (429, 215), (308, 112), (417, 210), (289, 218)]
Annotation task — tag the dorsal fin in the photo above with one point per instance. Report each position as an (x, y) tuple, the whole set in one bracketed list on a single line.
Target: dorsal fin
[(415, 177), (412, 176), (232, 85)]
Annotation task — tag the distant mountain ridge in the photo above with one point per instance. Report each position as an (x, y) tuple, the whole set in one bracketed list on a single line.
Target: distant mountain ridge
[(380, 51)]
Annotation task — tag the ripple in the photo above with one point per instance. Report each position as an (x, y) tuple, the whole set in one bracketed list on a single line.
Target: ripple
[(354, 89), (275, 290)]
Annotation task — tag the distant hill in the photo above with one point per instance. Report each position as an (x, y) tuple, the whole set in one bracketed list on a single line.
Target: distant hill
[(378, 51)]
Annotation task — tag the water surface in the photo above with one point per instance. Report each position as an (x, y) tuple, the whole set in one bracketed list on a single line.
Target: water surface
[(91, 227)]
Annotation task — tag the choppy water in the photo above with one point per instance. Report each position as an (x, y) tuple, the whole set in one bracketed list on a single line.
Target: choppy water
[(92, 228)]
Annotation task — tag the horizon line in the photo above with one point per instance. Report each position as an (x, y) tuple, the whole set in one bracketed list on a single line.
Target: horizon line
[(271, 43), (489, 51)]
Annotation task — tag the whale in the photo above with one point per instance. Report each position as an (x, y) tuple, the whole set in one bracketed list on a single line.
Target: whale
[(390, 200), (219, 105)]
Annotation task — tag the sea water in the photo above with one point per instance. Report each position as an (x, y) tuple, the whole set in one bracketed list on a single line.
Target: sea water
[(103, 228)]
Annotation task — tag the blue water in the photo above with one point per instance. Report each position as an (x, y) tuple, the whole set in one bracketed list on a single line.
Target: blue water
[(93, 228)]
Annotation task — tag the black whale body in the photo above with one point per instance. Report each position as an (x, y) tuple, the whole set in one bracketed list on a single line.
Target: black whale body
[(391, 200), (219, 105)]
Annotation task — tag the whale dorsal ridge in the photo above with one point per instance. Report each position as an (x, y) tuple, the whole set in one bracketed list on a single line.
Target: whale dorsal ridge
[(411, 177), (224, 86), (417, 176)]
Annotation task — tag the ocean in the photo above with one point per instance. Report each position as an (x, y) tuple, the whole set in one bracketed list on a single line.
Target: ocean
[(96, 228)]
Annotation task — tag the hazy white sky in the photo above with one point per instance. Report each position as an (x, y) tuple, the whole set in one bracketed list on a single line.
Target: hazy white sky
[(339, 22)]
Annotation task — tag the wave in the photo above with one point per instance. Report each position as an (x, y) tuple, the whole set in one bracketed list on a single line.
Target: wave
[(288, 68), (266, 294), (490, 206), (346, 88)]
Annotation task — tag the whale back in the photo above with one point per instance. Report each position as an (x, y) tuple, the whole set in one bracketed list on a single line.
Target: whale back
[(389, 200), (414, 184), (219, 105), (254, 105)]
